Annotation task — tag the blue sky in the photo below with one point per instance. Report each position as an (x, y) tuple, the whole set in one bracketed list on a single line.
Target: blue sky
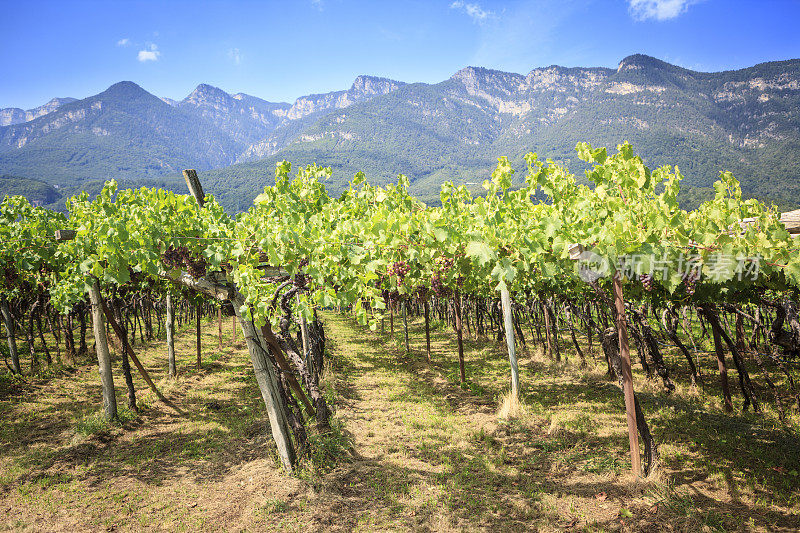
[(281, 50)]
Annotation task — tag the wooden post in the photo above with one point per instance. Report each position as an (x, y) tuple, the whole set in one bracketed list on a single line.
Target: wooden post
[(505, 300), (627, 377), (548, 331), (198, 340), (268, 384), (427, 329), (219, 326), (193, 182), (170, 327), (457, 309), (65, 234), (256, 346), (233, 327), (103, 355)]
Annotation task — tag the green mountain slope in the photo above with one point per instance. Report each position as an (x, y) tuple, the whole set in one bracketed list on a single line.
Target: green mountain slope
[(745, 121)]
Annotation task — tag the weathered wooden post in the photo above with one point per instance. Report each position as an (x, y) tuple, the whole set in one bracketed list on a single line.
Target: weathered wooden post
[(193, 182), (198, 343), (103, 355), (427, 328), (505, 300), (256, 346), (575, 251), (219, 326), (627, 377), (459, 337), (170, 327)]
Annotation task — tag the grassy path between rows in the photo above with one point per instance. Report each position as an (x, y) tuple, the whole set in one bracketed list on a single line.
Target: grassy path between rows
[(411, 449)]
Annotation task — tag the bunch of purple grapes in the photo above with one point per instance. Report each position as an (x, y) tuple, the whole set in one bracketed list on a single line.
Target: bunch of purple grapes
[(438, 287), (178, 257), (690, 280), (174, 257), (399, 269), (443, 264), (647, 281)]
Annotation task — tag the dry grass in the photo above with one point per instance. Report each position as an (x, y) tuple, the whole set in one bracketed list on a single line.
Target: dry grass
[(510, 407), (411, 449)]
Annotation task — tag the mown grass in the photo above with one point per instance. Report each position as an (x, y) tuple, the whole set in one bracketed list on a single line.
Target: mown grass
[(410, 449), (736, 471)]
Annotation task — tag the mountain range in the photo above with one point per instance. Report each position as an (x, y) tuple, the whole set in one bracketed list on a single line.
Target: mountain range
[(746, 121)]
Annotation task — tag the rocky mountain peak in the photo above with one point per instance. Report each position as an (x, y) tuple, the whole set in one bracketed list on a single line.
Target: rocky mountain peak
[(642, 62), (469, 74), (15, 115), (208, 94), (372, 85)]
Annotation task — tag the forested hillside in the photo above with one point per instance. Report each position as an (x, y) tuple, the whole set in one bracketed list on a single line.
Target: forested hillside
[(744, 121)]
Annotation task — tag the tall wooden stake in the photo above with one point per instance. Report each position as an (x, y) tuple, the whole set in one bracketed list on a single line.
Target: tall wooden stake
[(198, 342), (505, 300), (219, 326), (262, 365), (457, 309), (170, 327), (193, 183), (627, 377), (103, 355), (427, 329)]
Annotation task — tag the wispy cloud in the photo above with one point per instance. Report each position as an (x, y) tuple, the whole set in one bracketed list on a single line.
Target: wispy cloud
[(506, 42), (658, 9), (473, 10), (124, 42), (150, 53), (235, 55), (317, 4)]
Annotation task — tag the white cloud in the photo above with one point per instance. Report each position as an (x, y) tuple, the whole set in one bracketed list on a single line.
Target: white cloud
[(317, 4), (658, 9), (124, 42), (506, 42), (474, 11), (235, 56), (151, 53)]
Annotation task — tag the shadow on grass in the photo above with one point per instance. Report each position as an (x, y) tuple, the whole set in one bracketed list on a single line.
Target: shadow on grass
[(734, 447)]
